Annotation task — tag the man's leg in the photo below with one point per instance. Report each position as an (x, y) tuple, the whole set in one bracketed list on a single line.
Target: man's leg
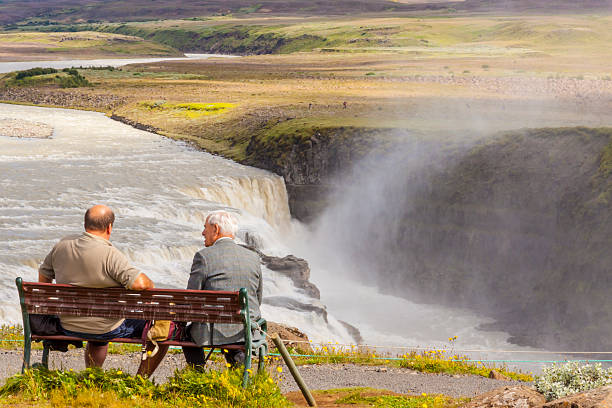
[(148, 366), (234, 357), (194, 357), (95, 353)]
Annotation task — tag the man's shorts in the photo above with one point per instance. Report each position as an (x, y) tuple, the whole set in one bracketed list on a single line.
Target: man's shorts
[(130, 328)]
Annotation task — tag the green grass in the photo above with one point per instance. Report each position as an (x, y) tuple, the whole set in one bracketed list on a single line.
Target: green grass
[(442, 361), (186, 388), (187, 110), (363, 396)]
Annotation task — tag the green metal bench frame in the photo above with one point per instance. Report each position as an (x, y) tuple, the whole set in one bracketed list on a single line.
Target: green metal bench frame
[(180, 305)]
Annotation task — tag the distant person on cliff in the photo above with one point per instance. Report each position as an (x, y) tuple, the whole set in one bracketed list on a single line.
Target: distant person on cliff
[(223, 265), (90, 260)]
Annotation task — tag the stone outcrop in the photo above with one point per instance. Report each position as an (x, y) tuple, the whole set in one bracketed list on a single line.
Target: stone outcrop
[(525, 397), (597, 398), (519, 396), (295, 338), (496, 375), (134, 124), (296, 269)]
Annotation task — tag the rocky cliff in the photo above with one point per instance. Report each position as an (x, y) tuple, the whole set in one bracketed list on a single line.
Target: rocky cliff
[(311, 159), (518, 227)]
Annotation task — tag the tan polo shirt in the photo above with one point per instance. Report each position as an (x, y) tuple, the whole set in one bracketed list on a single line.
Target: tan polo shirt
[(93, 262)]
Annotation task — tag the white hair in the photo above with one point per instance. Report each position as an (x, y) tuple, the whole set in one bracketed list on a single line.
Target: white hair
[(227, 222)]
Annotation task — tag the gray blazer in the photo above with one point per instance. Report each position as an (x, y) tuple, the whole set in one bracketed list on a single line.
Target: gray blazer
[(226, 266)]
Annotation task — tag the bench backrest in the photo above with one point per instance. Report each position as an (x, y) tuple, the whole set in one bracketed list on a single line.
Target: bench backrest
[(151, 304)]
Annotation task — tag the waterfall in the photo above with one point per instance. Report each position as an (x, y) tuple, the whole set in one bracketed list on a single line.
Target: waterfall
[(160, 191), (264, 198)]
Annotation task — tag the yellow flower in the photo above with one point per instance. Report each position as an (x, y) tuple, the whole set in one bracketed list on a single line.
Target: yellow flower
[(119, 372), (225, 351), (249, 371), (270, 381), (424, 405), (424, 394), (149, 353), (12, 327), (279, 369), (228, 365)]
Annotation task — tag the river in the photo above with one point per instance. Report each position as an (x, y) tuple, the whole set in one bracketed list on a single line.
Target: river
[(105, 62)]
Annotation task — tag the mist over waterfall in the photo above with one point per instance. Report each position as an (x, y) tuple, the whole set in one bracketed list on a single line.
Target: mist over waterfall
[(512, 227)]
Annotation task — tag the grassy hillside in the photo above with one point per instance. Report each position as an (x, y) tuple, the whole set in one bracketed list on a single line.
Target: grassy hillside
[(483, 37), (73, 11), (84, 44)]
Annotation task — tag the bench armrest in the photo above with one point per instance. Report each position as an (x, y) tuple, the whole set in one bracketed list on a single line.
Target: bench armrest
[(262, 323)]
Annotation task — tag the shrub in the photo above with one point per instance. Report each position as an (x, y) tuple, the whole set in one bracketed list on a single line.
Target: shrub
[(34, 72), (73, 79), (559, 381)]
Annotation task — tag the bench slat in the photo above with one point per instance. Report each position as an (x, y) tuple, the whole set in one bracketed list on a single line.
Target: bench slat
[(137, 314), (137, 341), (133, 303), (158, 295)]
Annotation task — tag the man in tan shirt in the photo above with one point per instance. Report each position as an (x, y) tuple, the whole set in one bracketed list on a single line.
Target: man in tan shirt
[(90, 260)]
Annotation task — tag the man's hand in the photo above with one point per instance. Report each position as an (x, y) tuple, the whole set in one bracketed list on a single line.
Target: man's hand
[(42, 278), (142, 282)]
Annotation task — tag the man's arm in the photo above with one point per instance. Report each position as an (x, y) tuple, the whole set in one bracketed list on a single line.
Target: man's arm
[(46, 274), (141, 282), (197, 277), (44, 279)]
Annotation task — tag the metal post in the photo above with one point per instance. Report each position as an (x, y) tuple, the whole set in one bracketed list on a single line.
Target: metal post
[(27, 333), (294, 371)]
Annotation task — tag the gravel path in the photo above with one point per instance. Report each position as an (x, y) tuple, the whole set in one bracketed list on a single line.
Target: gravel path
[(318, 377)]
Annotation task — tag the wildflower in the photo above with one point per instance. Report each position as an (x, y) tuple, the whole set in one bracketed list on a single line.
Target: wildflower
[(270, 381), (424, 406), (12, 327), (249, 371), (119, 372), (225, 351), (228, 365), (424, 394), (279, 369)]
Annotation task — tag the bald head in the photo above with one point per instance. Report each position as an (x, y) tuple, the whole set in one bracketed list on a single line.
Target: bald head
[(98, 218)]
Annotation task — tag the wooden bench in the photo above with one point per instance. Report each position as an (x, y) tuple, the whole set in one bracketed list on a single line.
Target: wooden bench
[(179, 305)]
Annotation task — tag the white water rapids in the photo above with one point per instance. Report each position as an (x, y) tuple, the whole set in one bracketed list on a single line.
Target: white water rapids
[(161, 191)]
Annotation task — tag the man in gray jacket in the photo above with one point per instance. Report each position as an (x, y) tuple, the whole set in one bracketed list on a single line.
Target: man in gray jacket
[(223, 265)]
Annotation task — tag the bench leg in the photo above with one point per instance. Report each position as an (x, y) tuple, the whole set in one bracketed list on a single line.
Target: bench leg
[(45, 356), (263, 351), (247, 365), (27, 348)]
